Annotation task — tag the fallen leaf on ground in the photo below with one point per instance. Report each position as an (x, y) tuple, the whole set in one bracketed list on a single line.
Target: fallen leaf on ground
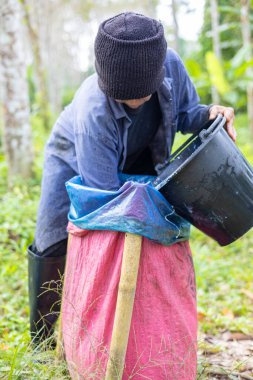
[(227, 336), (247, 293), (228, 313)]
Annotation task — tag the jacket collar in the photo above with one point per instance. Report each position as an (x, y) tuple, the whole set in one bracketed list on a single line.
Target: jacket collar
[(165, 90), (117, 109)]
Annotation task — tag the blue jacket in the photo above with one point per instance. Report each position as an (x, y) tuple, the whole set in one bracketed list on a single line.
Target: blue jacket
[(90, 139)]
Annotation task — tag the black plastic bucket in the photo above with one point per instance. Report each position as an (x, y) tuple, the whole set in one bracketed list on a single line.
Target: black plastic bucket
[(210, 184)]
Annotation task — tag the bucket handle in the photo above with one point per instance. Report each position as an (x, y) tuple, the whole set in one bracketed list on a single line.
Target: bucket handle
[(205, 133)]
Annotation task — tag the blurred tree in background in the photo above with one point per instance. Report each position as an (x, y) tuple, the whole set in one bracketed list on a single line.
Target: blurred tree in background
[(57, 31), (43, 94), (17, 131)]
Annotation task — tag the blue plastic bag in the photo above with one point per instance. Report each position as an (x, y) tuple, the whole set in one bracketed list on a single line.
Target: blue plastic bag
[(137, 207)]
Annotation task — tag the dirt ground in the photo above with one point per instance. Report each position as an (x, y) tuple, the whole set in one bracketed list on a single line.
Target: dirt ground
[(228, 356)]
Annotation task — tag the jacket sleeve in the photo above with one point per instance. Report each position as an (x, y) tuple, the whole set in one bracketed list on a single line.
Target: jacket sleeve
[(97, 158), (191, 115)]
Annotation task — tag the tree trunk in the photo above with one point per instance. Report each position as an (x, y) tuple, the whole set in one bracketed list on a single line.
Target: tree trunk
[(216, 43), (38, 66), (17, 130), (246, 35), (176, 44)]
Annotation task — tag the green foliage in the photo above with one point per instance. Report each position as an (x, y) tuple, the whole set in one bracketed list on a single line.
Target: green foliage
[(230, 29), (31, 85), (200, 78), (39, 103), (216, 73), (230, 76)]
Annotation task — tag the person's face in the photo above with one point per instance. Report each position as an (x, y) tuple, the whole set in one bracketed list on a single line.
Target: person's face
[(134, 103)]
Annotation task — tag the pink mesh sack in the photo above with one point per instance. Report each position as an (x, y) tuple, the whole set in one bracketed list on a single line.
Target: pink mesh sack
[(163, 334)]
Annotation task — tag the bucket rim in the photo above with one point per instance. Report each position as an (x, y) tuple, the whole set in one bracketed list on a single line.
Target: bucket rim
[(205, 136)]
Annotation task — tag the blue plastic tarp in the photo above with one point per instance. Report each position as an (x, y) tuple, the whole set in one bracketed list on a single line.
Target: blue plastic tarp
[(137, 207)]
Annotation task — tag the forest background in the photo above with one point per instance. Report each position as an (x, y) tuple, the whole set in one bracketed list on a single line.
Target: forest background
[(46, 51)]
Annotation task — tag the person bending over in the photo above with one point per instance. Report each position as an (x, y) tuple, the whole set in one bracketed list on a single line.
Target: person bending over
[(124, 119)]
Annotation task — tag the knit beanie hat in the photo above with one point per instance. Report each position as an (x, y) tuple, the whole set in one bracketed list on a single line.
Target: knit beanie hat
[(130, 51)]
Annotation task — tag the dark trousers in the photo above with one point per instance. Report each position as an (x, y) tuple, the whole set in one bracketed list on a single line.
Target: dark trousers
[(56, 250)]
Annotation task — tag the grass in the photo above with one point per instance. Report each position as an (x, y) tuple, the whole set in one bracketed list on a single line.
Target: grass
[(224, 275)]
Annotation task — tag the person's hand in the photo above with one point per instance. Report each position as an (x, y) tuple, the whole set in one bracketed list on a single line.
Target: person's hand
[(229, 114)]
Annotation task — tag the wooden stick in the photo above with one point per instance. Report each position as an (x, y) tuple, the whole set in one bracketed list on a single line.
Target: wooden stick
[(59, 351), (124, 306)]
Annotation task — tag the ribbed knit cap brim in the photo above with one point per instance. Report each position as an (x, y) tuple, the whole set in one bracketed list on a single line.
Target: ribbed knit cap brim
[(130, 51)]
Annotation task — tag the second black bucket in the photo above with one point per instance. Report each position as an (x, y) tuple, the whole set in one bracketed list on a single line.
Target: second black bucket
[(210, 184)]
